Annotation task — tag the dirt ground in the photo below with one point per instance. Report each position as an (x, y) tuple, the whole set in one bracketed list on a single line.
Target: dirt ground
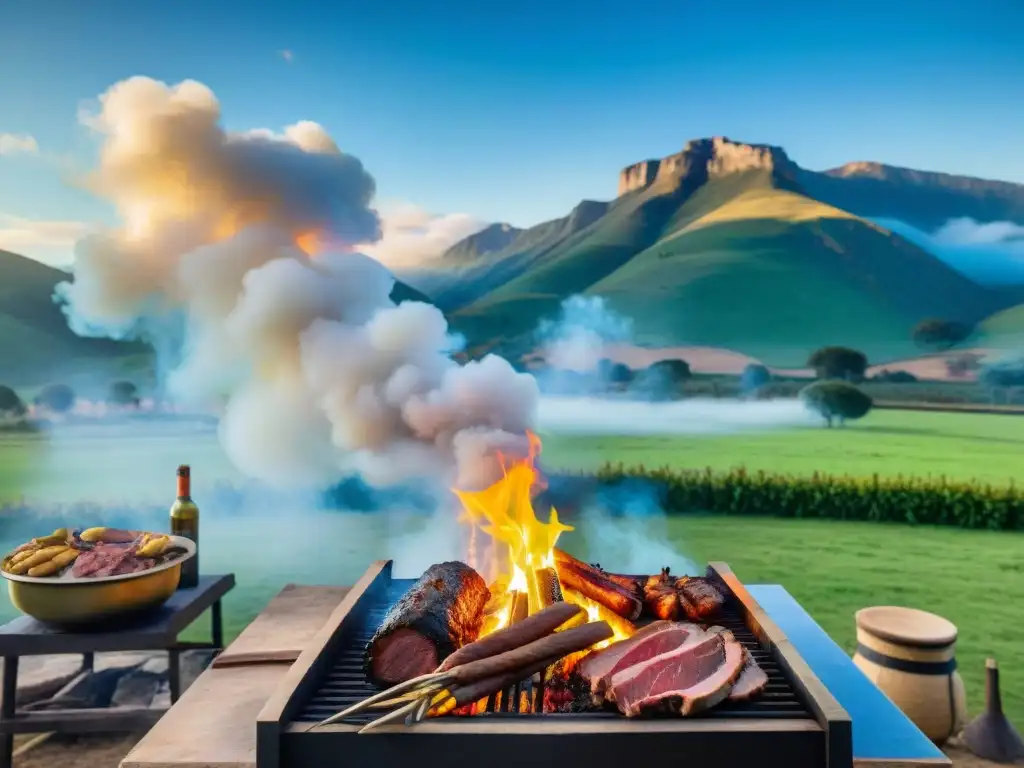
[(108, 751)]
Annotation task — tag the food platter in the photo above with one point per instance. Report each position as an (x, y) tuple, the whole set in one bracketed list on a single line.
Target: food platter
[(67, 600)]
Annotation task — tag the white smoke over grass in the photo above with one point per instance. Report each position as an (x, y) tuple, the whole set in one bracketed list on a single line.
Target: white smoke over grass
[(991, 253), (695, 416), (627, 532), (247, 237)]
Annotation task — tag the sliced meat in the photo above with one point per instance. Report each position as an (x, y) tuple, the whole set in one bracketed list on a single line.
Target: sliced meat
[(597, 664), (109, 559), (685, 681), (751, 682), (699, 598), (441, 612), (665, 641)]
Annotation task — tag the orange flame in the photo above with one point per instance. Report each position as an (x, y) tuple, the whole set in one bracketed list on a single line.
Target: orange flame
[(505, 512)]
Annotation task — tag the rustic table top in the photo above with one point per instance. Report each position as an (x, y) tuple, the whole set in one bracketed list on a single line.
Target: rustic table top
[(213, 724), (24, 636), (882, 734)]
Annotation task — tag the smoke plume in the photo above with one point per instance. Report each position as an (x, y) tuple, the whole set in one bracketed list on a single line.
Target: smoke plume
[(576, 339), (246, 238)]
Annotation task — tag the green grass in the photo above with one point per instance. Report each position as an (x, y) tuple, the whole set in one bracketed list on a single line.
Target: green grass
[(957, 445), (1005, 329)]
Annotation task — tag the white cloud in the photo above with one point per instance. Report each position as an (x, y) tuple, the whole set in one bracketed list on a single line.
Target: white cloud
[(287, 55), (51, 241), (967, 231), (413, 237), (18, 143)]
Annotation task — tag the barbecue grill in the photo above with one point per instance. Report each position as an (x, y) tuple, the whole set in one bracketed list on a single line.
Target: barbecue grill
[(795, 723)]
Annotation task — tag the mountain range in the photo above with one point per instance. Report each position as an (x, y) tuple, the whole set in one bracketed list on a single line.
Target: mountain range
[(733, 245), (723, 244)]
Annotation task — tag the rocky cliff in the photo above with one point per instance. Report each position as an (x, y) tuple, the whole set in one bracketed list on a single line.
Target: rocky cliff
[(708, 159)]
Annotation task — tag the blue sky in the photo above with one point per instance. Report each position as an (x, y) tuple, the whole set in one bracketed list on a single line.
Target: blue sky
[(455, 106)]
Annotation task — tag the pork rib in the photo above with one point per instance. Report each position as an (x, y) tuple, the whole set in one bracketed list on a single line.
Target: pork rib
[(692, 678), (441, 612)]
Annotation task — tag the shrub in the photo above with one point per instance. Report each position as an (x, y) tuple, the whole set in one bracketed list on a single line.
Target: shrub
[(836, 400), (10, 403), (754, 377), (939, 335), (123, 393), (962, 364), (886, 376), (838, 363), (916, 500), (673, 370), (59, 398)]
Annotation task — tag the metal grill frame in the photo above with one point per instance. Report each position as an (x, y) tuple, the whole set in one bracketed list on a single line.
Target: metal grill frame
[(797, 724)]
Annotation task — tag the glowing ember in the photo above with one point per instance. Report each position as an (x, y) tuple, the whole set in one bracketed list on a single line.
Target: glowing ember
[(505, 512)]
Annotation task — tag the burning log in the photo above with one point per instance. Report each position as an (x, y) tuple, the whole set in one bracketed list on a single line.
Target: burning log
[(593, 585), (548, 587), (519, 607)]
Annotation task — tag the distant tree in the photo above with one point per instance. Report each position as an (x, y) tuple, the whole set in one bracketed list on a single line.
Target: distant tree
[(123, 393), (939, 335), (960, 365), (894, 377), (838, 363), (754, 377), (675, 370), (613, 372), (836, 400), (59, 398), (10, 403)]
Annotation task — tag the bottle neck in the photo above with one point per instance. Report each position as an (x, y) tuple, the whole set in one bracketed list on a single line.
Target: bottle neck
[(184, 487)]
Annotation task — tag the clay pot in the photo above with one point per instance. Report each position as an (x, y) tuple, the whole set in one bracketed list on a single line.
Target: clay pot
[(909, 655)]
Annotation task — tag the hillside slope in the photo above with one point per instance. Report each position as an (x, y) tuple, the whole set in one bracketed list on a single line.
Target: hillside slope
[(721, 245)]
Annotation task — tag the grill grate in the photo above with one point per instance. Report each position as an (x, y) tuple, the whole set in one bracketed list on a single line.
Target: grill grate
[(346, 683)]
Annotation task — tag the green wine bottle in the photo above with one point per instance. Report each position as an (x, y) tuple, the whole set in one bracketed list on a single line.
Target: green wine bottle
[(185, 522)]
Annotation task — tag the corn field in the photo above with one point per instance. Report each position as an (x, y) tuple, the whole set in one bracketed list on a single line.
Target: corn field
[(884, 499)]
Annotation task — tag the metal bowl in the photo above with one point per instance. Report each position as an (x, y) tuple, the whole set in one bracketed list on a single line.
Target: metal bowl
[(67, 601)]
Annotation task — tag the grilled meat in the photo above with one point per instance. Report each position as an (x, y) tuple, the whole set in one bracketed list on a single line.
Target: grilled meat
[(443, 611), (699, 598), (692, 678)]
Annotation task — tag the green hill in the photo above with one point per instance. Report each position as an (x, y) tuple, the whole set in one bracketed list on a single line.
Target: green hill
[(35, 340), (722, 246)]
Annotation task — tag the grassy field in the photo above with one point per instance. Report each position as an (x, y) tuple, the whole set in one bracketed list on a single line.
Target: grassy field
[(965, 446)]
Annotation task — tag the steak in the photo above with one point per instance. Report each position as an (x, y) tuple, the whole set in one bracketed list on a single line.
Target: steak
[(685, 681), (599, 664), (441, 612), (752, 681), (699, 598), (655, 644)]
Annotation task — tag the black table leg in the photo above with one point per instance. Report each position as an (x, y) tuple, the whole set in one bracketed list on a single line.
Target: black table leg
[(8, 708), (218, 626), (174, 673)]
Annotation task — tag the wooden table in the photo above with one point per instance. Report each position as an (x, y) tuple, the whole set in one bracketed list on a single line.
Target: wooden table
[(157, 630), (213, 726)]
